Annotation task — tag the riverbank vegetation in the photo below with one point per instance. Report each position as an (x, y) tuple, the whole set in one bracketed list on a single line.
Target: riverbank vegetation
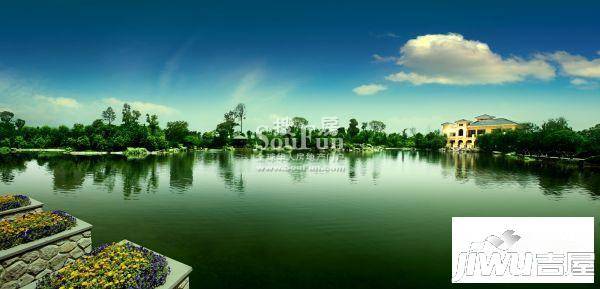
[(136, 131), (135, 152), (554, 138)]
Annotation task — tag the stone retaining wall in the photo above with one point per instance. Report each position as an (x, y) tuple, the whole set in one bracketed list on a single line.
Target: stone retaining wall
[(185, 284), (23, 264)]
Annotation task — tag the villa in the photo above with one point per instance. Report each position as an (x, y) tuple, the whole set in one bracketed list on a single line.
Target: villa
[(463, 133)]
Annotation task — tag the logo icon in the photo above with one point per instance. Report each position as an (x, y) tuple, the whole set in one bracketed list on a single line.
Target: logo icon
[(535, 255)]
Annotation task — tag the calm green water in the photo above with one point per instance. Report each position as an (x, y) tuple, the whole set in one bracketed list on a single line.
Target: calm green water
[(377, 221)]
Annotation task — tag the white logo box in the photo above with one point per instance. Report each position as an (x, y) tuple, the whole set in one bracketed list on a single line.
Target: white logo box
[(522, 250)]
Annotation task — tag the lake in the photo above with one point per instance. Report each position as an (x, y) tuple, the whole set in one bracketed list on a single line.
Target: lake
[(380, 220)]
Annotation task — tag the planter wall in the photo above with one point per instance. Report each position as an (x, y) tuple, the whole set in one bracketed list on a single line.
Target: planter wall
[(34, 206), (23, 264), (177, 279), (179, 276)]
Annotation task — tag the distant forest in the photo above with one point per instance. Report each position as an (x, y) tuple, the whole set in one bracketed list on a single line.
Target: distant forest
[(136, 130)]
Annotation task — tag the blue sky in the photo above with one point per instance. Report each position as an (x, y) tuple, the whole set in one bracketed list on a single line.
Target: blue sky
[(407, 64)]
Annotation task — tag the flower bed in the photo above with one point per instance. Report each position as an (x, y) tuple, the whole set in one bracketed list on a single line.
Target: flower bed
[(8, 202), (33, 226), (112, 266)]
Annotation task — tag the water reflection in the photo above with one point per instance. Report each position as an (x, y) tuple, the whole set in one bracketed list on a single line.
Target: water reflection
[(181, 173), (9, 165), (135, 177)]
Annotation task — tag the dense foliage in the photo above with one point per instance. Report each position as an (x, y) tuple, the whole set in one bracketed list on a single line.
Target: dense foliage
[(111, 266), (33, 226), (554, 138), (104, 135), (370, 133), (8, 202)]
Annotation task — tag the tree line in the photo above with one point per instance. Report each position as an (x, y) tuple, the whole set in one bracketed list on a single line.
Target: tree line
[(136, 130), (355, 135), (554, 138)]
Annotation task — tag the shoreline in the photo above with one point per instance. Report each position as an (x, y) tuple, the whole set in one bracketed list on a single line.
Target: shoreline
[(173, 150)]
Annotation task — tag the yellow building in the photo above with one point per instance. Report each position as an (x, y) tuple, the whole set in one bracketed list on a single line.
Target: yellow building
[(463, 133)]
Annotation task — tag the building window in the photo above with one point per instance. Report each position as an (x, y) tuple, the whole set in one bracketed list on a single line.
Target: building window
[(460, 132), (471, 133), (481, 131)]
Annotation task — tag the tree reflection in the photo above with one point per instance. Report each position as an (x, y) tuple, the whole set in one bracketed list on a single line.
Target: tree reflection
[(486, 170), (11, 164), (181, 174), (135, 177)]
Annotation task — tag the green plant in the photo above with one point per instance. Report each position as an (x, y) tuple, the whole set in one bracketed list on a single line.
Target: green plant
[(136, 152), (4, 150), (112, 266)]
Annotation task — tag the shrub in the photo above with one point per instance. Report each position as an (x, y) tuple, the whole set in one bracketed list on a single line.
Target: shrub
[(111, 266), (8, 202), (4, 150), (136, 152), (33, 226)]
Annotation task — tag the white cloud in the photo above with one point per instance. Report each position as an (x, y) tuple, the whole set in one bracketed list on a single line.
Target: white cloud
[(255, 87), (248, 82), (143, 107), (584, 83), (369, 89), (452, 60), (173, 63), (418, 79), (579, 81), (63, 102), (392, 35), (386, 35), (379, 58), (576, 65)]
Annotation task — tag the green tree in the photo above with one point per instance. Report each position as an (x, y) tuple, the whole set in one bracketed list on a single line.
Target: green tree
[(152, 121), (376, 125), (130, 117), (299, 122), (240, 113), (19, 124), (109, 115), (364, 126), (353, 128), (176, 132), (6, 116)]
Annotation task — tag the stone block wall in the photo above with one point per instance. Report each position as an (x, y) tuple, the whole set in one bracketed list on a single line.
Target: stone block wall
[(185, 284), (22, 269)]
